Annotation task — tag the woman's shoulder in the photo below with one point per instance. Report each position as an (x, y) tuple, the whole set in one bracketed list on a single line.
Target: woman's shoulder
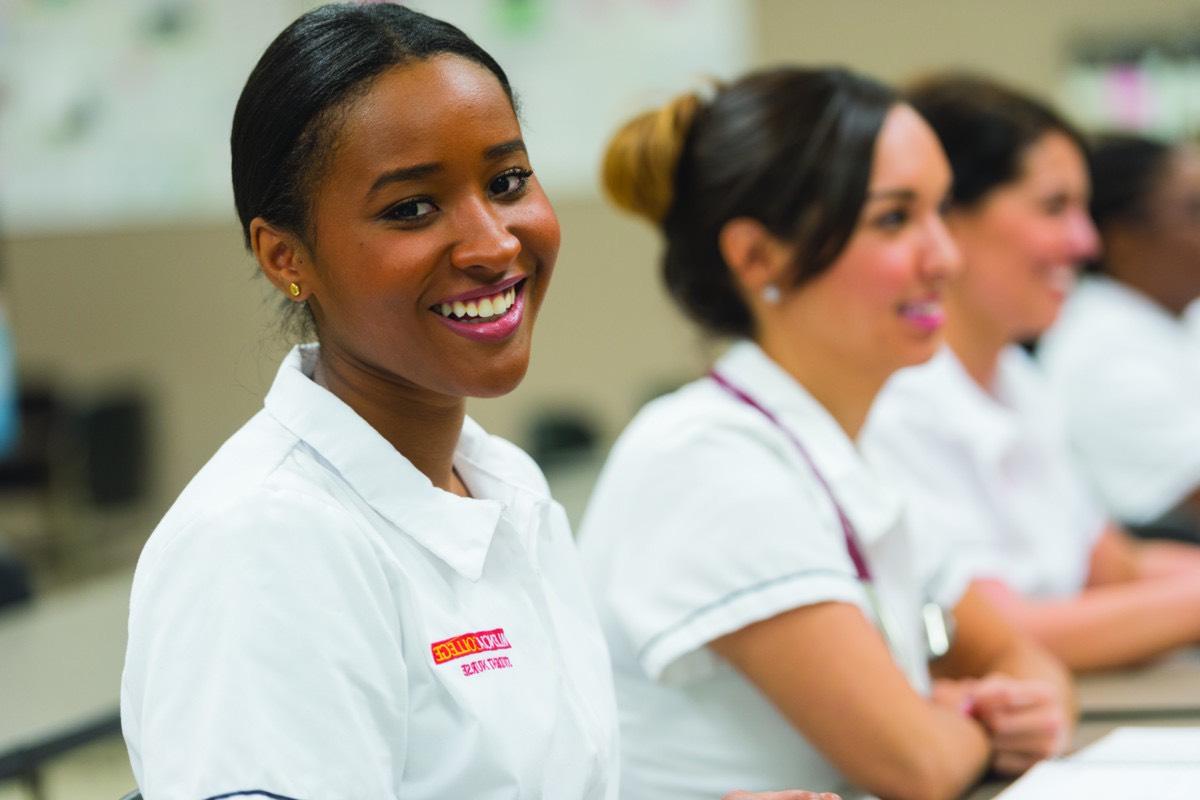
[(263, 494), (694, 417)]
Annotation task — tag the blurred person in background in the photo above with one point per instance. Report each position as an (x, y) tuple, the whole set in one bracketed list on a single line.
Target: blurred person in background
[(753, 572), (363, 594), (975, 439), (1121, 358)]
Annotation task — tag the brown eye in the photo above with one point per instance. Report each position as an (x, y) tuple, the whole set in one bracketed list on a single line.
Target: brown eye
[(510, 183), (410, 210)]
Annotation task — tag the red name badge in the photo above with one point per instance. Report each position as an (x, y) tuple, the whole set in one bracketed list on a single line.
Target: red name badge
[(469, 644)]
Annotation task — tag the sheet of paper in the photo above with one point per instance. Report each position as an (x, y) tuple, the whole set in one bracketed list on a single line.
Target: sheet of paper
[(1055, 780), (1145, 746)]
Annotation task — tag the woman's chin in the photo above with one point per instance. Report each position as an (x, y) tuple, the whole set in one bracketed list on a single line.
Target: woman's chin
[(499, 383)]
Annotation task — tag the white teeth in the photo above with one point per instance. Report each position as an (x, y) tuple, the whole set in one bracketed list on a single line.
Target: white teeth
[(921, 309), (481, 308)]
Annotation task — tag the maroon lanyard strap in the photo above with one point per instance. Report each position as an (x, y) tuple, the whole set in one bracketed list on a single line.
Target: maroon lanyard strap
[(856, 555)]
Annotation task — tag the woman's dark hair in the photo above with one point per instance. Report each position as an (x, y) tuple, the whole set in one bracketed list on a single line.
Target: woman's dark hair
[(1125, 169), (287, 116), (985, 129), (789, 147)]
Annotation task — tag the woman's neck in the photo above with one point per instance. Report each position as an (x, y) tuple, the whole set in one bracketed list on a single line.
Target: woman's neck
[(846, 393), (977, 347), (423, 427)]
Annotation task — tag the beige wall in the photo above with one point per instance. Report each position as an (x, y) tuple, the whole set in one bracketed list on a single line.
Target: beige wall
[(178, 312), (1021, 41)]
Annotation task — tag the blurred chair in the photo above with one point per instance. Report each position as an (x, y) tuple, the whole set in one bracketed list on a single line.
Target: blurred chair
[(559, 436), (565, 444), (114, 442), (76, 464), (27, 474)]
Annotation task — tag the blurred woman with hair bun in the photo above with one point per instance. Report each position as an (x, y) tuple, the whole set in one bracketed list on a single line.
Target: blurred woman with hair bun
[(766, 624)]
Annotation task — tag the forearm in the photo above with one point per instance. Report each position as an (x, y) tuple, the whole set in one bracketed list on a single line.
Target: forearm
[(1115, 625), (826, 669), (925, 752), (1160, 559)]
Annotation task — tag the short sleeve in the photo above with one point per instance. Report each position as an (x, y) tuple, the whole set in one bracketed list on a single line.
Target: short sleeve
[(705, 531), (264, 655)]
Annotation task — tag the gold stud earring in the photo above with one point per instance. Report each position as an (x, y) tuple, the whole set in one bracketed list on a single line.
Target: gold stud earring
[(294, 289)]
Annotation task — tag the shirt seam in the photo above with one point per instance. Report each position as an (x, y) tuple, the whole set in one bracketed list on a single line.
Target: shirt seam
[(729, 597)]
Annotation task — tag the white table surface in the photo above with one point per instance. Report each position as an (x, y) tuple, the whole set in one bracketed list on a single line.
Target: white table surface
[(60, 662)]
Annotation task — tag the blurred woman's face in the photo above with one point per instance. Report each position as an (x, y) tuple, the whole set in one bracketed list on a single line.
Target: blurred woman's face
[(1171, 236), (879, 305), (1024, 242), (432, 242)]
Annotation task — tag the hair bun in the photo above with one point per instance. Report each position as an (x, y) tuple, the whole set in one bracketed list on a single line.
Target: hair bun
[(638, 173)]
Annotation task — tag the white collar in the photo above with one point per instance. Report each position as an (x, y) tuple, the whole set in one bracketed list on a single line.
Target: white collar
[(1130, 300), (872, 506), (992, 424), (458, 530)]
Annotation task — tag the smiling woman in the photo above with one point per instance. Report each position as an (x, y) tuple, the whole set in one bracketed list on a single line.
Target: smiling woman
[(362, 594), (752, 569)]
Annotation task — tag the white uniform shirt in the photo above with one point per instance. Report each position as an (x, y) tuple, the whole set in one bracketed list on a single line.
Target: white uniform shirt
[(705, 520), (987, 478), (313, 619), (1128, 375)]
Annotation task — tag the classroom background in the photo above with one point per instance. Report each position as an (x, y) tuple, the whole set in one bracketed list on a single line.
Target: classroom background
[(143, 337)]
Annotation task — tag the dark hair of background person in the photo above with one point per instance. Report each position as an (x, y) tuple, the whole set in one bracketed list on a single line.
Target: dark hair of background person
[(789, 147), (985, 129), (1125, 169), (288, 114)]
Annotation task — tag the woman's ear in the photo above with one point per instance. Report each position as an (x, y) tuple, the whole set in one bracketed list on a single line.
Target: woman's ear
[(283, 258), (756, 257)]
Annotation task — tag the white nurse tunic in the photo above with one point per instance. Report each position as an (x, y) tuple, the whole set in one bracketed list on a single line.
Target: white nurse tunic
[(705, 520), (313, 619), (1128, 375), (987, 477)]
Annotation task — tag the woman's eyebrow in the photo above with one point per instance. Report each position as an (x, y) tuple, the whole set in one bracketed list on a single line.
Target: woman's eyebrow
[(907, 195), (504, 149), (419, 171), (415, 172)]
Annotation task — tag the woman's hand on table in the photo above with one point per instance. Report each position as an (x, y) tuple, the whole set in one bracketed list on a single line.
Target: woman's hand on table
[(1025, 719)]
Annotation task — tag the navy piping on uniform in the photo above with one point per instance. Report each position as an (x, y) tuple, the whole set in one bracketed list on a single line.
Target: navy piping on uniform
[(251, 793), (729, 598)]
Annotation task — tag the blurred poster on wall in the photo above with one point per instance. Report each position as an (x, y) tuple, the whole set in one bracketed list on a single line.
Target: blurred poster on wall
[(117, 112), (582, 67), (1146, 82)]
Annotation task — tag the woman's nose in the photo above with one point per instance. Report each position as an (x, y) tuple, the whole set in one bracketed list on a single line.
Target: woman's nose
[(484, 239)]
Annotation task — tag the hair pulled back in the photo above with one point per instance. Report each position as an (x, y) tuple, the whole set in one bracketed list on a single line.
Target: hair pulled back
[(985, 129), (287, 116), (1124, 169), (789, 147)]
